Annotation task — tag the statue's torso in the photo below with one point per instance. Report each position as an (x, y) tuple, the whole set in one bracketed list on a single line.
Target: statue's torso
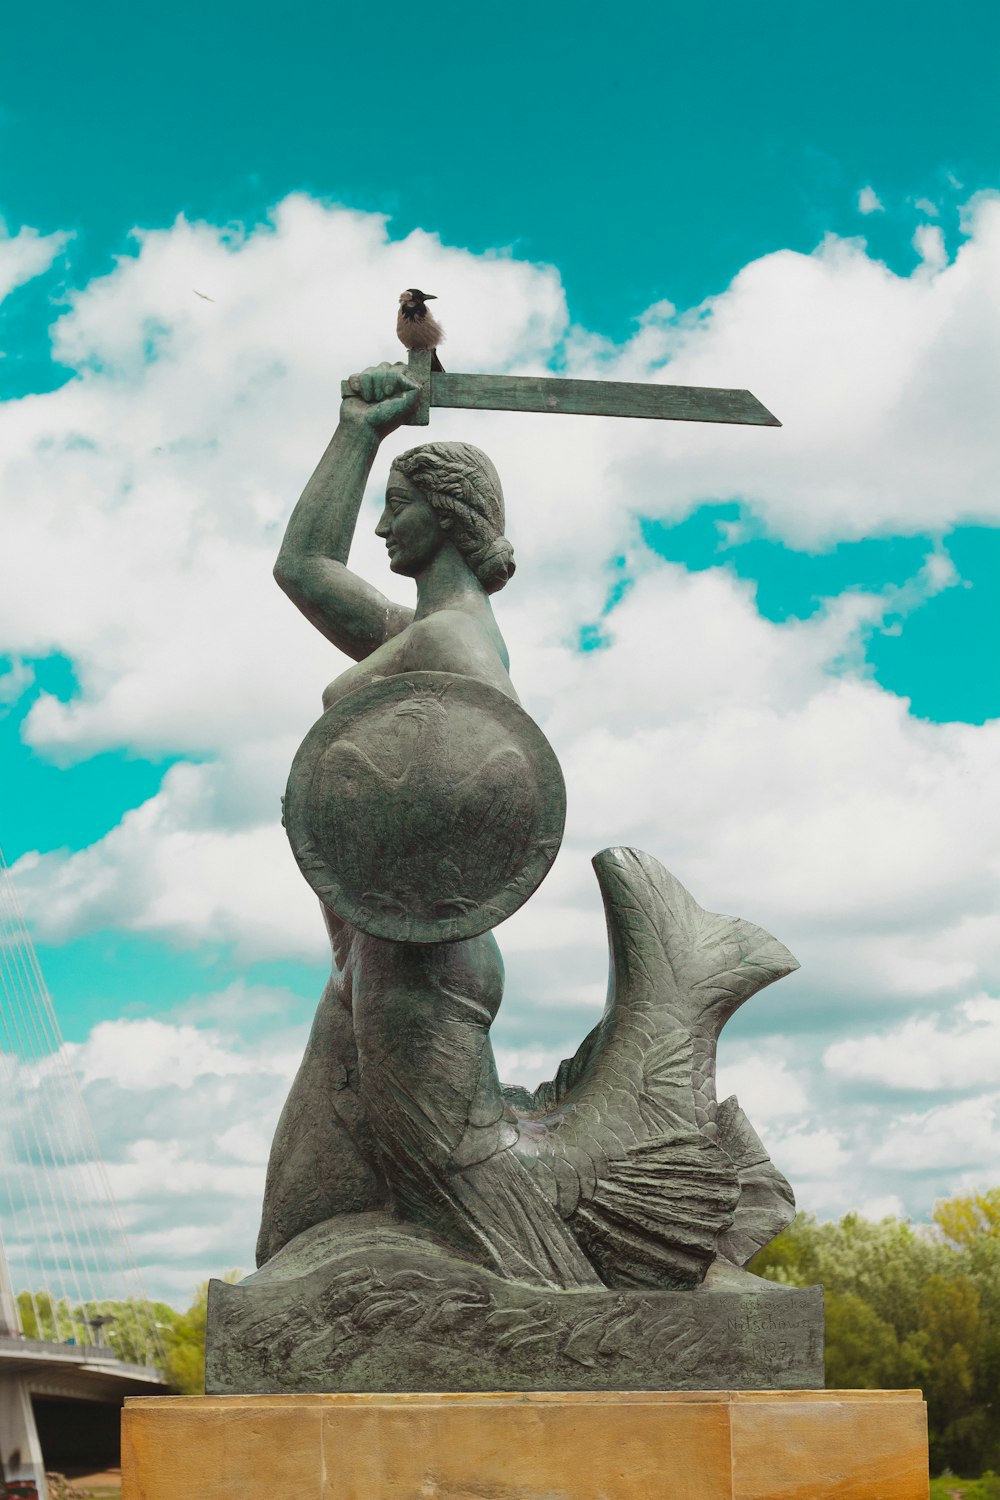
[(448, 641)]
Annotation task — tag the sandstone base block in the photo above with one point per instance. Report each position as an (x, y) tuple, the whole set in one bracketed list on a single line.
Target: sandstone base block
[(634, 1445)]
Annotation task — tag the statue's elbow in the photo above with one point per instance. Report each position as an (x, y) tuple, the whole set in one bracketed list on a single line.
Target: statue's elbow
[(285, 575)]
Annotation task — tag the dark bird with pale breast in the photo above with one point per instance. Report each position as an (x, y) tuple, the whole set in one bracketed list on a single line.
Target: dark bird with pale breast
[(416, 326)]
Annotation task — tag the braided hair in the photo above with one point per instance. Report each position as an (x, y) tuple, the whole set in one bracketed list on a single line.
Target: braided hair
[(462, 487)]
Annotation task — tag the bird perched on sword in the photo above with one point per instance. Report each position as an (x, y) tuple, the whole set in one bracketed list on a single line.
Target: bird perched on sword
[(416, 327)]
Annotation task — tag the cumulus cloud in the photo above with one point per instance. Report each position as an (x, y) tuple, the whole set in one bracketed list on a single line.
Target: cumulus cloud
[(869, 202), (766, 1088), (758, 760), (954, 1137), (183, 1115), (26, 255), (889, 1206), (147, 1053), (927, 1052), (807, 1153), (176, 868), (152, 487), (880, 380), (928, 241)]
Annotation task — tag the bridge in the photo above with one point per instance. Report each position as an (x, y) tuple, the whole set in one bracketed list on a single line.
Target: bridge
[(76, 1333)]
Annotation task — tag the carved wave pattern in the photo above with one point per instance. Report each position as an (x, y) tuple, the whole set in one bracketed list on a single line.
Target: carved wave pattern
[(367, 1322)]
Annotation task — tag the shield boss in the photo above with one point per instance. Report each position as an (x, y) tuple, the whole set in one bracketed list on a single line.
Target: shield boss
[(425, 808)]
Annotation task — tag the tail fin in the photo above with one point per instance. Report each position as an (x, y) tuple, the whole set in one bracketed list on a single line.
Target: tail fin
[(767, 1203), (655, 1215), (626, 1136)]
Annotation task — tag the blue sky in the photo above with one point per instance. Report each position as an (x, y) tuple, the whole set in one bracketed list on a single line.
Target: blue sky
[(792, 199), (647, 154)]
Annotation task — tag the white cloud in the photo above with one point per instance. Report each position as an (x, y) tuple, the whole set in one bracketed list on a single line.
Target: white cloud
[(15, 681), (889, 1206), (147, 1053), (869, 202), (963, 1136), (26, 255), (171, 870), (810, 1153), (237, 1004), (767, 750), (183, 1116), (182, 466), (925, 206), (927, 1052), (530, 1066), (880, 427), (764, 1086), (928, 241)]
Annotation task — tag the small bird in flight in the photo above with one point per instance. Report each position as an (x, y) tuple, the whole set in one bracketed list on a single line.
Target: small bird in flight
[(416, 328), (203, 295)]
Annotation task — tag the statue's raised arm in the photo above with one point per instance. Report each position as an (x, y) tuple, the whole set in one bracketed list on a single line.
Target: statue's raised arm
[(312, 564), (443, 527)]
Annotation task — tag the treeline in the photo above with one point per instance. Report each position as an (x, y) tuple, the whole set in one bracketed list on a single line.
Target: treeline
[(910, 1307), (139, 1332)]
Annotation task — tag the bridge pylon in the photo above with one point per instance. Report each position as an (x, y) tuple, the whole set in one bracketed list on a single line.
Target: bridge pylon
[(20, 1447)]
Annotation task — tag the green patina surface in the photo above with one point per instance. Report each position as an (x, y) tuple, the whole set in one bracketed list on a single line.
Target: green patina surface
[(425, 1226), (554, 394)]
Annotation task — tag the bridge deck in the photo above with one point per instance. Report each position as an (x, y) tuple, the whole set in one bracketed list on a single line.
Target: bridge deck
[(88, 1372)]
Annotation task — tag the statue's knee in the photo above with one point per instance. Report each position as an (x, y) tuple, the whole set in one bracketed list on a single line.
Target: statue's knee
[(475, 968)]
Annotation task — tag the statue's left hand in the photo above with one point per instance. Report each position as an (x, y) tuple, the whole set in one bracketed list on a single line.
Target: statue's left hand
[(381, 398)]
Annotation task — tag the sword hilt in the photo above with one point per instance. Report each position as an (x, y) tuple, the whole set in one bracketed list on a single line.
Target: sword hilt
[(418, 367)]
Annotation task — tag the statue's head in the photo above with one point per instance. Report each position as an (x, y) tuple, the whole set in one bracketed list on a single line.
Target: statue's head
[(462, 488)]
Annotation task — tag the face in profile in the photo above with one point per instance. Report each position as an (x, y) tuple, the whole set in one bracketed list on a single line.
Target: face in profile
[(412, 532)]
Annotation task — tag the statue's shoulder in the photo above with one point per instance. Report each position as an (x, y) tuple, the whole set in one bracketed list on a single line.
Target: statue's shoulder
[(453, 640), (447, 632)]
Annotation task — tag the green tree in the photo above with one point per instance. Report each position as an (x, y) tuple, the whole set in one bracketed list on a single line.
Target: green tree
[(185, 1362), (958, 1420), (911, 1306), (133, 1329), (970, 1218), (884, 1263), (793, 1257), (862, 1350)]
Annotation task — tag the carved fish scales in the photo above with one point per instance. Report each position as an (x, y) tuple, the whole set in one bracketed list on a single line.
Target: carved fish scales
[(652, 1177)]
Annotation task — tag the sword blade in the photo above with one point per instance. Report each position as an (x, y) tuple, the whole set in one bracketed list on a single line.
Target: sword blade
[(599, 398)]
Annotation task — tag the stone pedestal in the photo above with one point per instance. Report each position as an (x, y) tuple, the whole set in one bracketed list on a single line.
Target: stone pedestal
[(704, 1445)]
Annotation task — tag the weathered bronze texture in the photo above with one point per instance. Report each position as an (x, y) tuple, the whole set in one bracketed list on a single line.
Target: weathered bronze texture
[(587, 398), (409, 1193), (425, 807), (366, 1304)]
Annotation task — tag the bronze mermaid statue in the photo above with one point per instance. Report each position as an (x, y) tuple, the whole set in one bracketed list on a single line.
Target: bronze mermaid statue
[(624, 1171)]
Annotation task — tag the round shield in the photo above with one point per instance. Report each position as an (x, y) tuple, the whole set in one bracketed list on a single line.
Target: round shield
[(425, 808)]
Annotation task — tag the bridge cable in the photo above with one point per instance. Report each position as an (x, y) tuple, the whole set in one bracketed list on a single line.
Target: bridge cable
[(60, 1177)]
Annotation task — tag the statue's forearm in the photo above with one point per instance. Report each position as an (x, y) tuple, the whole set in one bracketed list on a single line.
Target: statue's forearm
[(322, 524)]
